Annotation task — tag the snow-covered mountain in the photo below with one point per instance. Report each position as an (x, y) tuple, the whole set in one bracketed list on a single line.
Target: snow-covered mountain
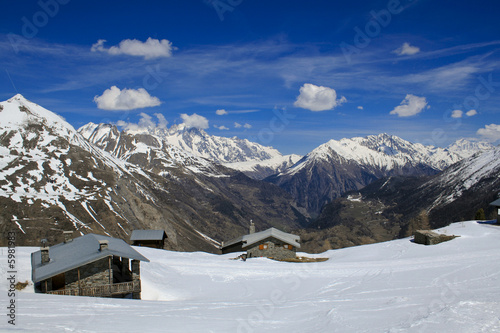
[(466, 148), (455, 194), (53, 178), (251, 158), (343, 165), (51, 175)]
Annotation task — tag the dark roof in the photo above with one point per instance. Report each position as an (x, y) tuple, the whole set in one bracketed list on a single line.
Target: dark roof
[(78, 252), (138, 235), (496, 203), (251, 239)]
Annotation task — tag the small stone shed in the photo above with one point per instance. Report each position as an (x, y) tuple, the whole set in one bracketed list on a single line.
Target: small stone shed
[(271, 243), (90, 265), (496, 204), (149, 238)]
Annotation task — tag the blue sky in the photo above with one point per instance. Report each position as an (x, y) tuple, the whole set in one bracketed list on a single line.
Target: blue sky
[(289, 74)]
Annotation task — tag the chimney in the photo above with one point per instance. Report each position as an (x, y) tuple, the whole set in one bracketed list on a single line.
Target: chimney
[(103, 245), (45, 254), (252, 227), (68, 236)]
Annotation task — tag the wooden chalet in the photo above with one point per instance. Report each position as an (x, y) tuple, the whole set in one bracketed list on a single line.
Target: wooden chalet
[(271, 243), (496, 204), (149, 238), (90, 265)]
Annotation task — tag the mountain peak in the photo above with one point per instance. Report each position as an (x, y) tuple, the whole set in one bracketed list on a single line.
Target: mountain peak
[(17, 97)]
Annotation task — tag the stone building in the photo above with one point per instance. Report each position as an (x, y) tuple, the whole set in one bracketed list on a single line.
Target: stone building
[(90, 265), (271, 243), (496, 204), (149, 238)]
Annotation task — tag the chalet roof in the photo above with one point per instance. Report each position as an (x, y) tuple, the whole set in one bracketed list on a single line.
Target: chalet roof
[(251, 239), (78, 252), (496, 203), (138, 235)]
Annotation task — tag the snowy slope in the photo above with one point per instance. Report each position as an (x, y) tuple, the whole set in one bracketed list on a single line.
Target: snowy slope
[(476, 171), (397, 286), (45, 163)]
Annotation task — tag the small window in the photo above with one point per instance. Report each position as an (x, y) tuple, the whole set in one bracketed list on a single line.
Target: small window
[(263, 247), (288, 247)]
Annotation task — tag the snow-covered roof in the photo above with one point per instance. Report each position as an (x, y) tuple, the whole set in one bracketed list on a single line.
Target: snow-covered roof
[(251, 239), (138, 235), (78, 252), (496, 203)]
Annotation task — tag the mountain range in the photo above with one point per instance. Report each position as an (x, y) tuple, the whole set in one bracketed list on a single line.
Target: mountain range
[(52, 179), (340, 166), (203, 189), (253, 159)]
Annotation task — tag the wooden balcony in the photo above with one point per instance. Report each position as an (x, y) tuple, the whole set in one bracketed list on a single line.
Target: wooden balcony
[(106, 290)]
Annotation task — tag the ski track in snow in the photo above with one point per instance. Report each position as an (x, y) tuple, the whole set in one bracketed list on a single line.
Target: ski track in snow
[(396, 286)]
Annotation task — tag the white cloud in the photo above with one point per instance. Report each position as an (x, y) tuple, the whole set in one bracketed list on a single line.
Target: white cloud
[(360, 107), (406, 49), (146, 122), (126, 99), (162, 122), (318, 98), (151, 48), (410, 106), (221, 112), (457, 114), (222, 128), (246, 125), (194, 120), (490, 132), (471, 113)]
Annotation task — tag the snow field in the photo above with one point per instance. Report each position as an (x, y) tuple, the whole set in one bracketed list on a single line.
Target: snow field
[(396, 286)]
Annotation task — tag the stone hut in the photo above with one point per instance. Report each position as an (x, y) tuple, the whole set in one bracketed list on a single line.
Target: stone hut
[(496, 204), (271, 243), (90, 265), (149, 238)]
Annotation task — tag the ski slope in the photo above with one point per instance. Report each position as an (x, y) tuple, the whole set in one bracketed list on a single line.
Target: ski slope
[(396, 286)]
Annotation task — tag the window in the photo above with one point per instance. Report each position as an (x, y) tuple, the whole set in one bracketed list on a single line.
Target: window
[(288, 247), (263, 247)]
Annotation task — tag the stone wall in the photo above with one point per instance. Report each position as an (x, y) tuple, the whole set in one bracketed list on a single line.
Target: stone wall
[(275, 249), (94, 274)]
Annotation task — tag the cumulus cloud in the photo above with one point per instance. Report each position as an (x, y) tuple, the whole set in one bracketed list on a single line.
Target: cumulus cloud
[(221, 112), (237, 125), (490, 132), (247, 126), (222, 128), (360, 107), (318, 98), (406, 49), (410, 106), (126, 99), (471, 113), (145, 123), (460, 113), (457, 114), (151, 48), (194, 120)]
